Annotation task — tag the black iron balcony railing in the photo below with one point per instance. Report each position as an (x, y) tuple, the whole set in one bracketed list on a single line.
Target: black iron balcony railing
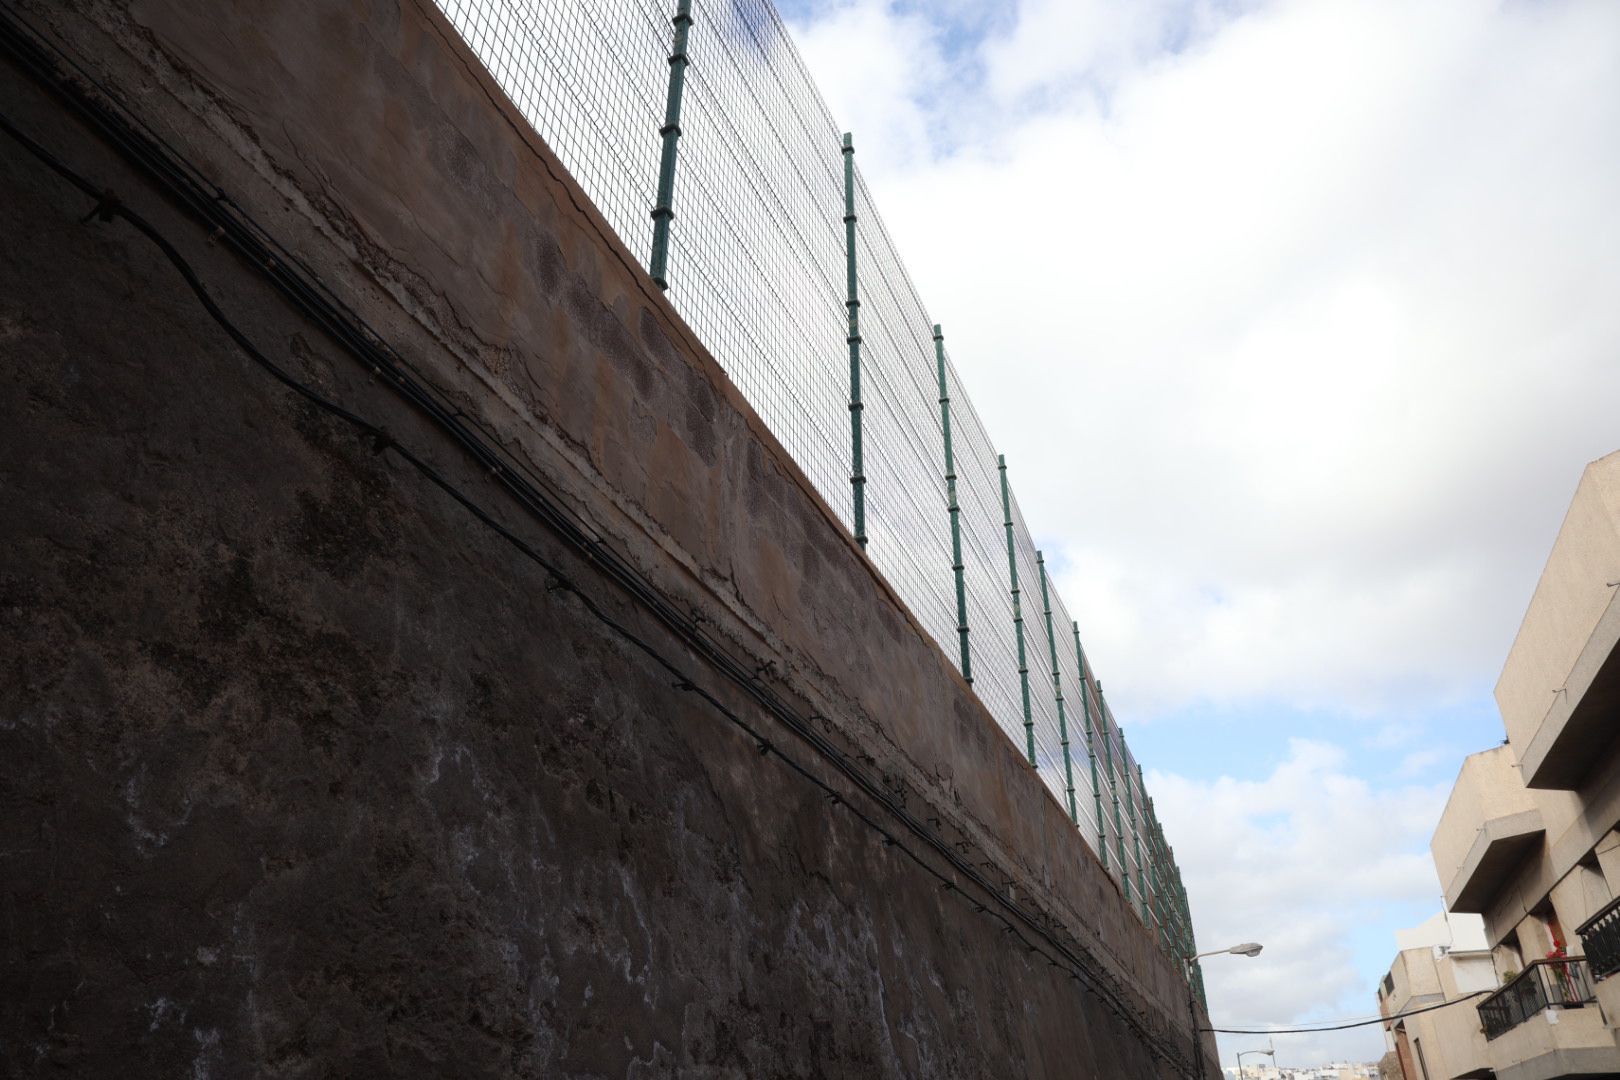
[(1600, 940), (1541, 985)]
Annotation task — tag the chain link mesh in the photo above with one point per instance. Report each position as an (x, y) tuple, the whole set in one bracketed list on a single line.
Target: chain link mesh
[(756, 266)]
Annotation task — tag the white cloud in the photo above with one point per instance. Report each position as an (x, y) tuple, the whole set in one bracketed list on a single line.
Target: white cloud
[(1297, 342), (1056, 47), (1298, 860), (889, 67)]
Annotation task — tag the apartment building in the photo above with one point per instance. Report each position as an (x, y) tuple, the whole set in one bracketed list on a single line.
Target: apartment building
[(1528, 837), (1447, 959)]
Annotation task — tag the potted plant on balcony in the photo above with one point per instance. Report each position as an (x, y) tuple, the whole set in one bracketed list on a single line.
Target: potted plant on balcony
[(1559, 969)]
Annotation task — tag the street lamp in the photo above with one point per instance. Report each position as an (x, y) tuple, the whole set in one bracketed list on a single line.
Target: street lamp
[(1248, 948), (1271, 1053)]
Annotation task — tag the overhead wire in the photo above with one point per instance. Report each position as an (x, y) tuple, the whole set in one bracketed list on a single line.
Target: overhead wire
[(1332, 1025)]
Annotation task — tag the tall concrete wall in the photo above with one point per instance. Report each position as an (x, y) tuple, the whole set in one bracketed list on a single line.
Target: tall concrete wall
[(309, 773)]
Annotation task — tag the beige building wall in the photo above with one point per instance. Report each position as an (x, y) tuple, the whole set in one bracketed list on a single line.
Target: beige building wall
[(1446, 1042), (1564, 876), (1564, 867), (1467, 973), (1487, 789), (1457, 933), (1417, 982), (1569, 600)]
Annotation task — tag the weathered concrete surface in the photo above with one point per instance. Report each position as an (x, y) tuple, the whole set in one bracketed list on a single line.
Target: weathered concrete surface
[(309, 775)]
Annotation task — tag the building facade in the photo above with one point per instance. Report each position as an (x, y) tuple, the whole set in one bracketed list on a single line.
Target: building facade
[(1446, 959), (1528, 838)]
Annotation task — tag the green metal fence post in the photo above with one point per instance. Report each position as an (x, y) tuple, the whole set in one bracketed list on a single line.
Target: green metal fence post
[(1176, 936), (1178, 896), (1113, 787), (1192, 944), (1018, 611), (857, 478), (1119, 821), (1132, 787), (1091, 750), (1177, 941), (1130, 819), (950, 493), (1155, 893), (1057, 689), (1151, 829), (1167, 873), (664, 209), (1161, 909), (1174, 905)]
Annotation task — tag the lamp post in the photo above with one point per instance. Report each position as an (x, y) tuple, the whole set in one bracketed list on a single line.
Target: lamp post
[(1248, 948), (1270, 1053)]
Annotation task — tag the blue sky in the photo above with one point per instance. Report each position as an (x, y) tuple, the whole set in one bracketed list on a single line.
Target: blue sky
[(1245, 739), (1322, 294)]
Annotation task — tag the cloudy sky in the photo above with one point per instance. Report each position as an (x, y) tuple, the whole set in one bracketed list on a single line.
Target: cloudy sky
[(1301, 319)]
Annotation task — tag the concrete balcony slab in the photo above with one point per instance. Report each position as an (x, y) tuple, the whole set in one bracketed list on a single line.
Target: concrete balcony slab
[(1556, 1044), (1489, 827), (1499, 849), (1579, 724)]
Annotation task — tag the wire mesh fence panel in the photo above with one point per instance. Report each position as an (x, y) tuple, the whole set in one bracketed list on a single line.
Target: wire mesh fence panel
[(1043, 703), (1141, 840), (589, 76), (1097, 775), (1124, 837), (1108, 782), (984, 555), (1154, 866), (757, 255), (757, 264), (905, 439), (1139, 886), (1080, 761)]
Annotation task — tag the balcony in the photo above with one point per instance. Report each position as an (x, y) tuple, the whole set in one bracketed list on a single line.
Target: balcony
[(1489, 828), (1542, 985), (1547, 1025), (1600, 941)]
